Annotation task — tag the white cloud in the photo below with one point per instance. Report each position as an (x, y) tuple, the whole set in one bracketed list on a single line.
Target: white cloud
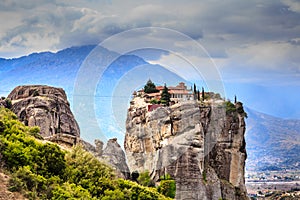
[(293, 5)]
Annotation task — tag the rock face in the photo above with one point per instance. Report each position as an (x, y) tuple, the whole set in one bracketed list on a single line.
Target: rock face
[(115, 156), (201, 146), (112, 154), (48, 108)]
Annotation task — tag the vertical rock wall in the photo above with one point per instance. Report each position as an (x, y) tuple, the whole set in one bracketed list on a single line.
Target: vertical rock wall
[(200, 146)]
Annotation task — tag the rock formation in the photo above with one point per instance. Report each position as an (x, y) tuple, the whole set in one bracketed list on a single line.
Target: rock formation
[(115, 156), (112, 154), (48, 108), (201, 145)]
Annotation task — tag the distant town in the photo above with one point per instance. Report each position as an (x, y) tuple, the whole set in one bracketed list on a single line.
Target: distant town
[(271, 184)]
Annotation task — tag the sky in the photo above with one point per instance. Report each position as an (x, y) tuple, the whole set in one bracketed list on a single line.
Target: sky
[(254, 45)]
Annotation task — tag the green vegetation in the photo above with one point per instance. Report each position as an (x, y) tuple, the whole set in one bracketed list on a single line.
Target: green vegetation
[(230, 107), (8, 103), (44, 171), (204, 176), (240, 109), (167, 186), (150, 87), (237, 107), (165, 96), (145, 179), (154, 101)]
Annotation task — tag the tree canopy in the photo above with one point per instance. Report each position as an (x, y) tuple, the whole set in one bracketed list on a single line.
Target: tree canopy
[(165, 96), (150, 87), (42, 170)]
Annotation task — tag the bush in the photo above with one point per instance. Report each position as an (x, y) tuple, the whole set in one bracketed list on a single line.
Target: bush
[(87, 171), (44, 171), (230, 107), (154, 101), (167, 186), (25, 179), (8, 103), (145, 180), (69, 191)]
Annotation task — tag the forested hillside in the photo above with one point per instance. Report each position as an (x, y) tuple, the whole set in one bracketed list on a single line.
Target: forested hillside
[(42, 170)]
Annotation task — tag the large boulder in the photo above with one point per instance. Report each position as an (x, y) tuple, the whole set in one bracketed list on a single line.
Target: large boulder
[(48, 108)]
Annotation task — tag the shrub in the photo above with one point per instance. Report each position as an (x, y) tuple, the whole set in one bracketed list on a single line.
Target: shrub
[(8, 103), (230, 107), (44, 171), (145, 180), (87, 171), (154, 101), (167, 186), (70, 191), (25, 179)]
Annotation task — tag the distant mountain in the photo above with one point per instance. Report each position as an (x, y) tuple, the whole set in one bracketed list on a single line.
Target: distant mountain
[(57, 69), (272, 143), (60, 69)]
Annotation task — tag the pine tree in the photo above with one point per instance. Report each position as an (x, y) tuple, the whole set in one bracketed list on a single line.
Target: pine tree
[(195, 91), (198, 95), (165, 96), (202, 94), (150, 87)]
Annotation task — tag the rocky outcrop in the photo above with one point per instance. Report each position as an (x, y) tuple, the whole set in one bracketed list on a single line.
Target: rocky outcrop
[(115, 156), (112, 154), (48, 108), (201, 146)]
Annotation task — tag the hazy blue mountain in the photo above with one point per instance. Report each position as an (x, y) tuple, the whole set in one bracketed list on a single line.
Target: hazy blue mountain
[(272, 143), (57, 69), (61, 69)]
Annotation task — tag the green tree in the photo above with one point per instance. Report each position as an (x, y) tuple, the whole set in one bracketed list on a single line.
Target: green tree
[(167, 186), (195, 92), (8, 103), (87, 171), (150, 87), (165, 96), (70, 191), (144, 179)]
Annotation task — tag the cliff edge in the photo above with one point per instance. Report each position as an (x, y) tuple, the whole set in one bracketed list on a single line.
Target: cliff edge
[(200, 144)]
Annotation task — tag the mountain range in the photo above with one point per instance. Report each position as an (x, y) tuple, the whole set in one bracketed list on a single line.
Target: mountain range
[(272, 143)]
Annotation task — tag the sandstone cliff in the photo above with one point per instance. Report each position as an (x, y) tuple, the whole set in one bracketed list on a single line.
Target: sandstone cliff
[(48, 108), (201, 146)]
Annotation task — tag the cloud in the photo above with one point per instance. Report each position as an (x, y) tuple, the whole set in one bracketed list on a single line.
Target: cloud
[(293, 5), (237, 34)]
